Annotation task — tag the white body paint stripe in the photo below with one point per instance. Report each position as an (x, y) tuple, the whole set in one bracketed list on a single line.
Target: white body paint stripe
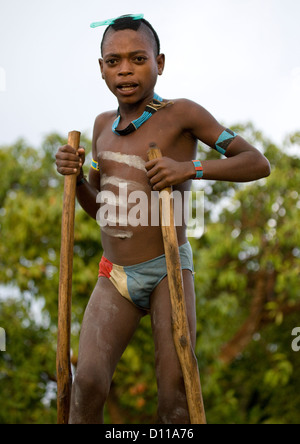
[(127, 159)]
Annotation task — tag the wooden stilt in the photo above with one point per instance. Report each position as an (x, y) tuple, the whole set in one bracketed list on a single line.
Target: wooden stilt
[(181, 333), (63, 359)]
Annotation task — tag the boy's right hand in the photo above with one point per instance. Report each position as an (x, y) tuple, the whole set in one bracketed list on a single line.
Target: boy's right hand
[(68, 161)]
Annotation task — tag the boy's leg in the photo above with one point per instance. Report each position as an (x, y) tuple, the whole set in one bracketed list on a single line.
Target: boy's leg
[(172, 403), (108, 325)]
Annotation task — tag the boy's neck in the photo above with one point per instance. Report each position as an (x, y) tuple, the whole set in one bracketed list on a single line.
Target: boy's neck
[(131, 111)]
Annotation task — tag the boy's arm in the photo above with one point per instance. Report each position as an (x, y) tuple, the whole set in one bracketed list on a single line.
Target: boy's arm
[(87, 191), (243, 162), (70, 162)]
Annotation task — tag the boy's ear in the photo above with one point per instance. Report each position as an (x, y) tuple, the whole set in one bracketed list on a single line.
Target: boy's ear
[(101, 67), (160, 63)]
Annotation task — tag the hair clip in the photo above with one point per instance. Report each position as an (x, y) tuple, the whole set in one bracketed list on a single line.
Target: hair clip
[(112, 21)]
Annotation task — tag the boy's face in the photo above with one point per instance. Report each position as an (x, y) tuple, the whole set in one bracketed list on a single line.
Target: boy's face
[(130, 66)]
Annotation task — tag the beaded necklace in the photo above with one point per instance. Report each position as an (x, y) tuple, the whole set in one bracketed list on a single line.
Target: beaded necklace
[(155, 105)]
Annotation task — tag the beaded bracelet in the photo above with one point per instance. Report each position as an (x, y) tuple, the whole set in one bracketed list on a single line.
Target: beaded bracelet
[(199, 169)]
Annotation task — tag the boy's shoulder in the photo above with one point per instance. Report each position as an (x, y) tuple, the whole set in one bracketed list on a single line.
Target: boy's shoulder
[(182, 103), (179, 105), (185, 106), (102, 120), (182, 109), (188, 114), (104, 117)]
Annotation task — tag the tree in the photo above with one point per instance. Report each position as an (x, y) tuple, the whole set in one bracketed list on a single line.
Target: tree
[(30, 217), (248, 269)]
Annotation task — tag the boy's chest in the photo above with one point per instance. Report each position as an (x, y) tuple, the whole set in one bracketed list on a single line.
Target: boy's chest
[(167, 136)]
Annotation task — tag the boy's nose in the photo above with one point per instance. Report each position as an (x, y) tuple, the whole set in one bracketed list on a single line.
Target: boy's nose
[(125, 68)]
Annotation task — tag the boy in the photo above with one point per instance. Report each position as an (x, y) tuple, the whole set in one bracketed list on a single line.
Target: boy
[(132, 277)]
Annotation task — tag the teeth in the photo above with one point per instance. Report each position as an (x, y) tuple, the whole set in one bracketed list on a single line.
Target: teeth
[(127, 88)]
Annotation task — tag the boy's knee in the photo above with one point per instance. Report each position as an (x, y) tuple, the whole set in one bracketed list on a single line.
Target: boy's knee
[(90, 389), (173, 408)]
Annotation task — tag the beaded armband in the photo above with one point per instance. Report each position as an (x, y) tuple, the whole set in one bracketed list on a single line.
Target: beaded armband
[(95, 165), (225, 140)]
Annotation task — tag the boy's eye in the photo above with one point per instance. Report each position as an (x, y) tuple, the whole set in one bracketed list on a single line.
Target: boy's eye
[(111, 61), (140, 59)]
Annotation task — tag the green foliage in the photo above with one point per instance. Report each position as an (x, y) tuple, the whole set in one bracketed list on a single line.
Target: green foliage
[(247, 284), (247, 281), (26, 368)]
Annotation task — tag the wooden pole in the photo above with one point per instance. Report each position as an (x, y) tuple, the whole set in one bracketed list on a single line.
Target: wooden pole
[(63, 359), (181, 332)]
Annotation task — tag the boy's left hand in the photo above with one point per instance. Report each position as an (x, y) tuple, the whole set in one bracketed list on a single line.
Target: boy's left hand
[(165, 172)]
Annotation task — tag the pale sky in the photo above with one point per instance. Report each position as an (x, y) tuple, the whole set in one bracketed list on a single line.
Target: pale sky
[(240, 59)]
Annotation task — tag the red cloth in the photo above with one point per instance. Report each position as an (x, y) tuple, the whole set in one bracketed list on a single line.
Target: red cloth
[(105, 268)]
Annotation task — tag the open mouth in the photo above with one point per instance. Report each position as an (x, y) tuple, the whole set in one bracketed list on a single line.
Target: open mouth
[(127, 87)]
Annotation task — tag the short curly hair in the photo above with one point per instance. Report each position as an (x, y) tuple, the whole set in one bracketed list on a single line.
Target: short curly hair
[(127, 22)]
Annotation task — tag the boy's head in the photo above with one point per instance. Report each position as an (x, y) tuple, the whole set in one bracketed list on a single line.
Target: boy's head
[(128, 22), (131, 59)]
